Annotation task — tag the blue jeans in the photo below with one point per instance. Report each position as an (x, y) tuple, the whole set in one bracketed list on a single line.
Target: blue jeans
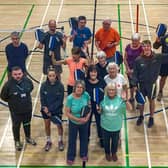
[(113, 137), (97, 118), (72, 139)]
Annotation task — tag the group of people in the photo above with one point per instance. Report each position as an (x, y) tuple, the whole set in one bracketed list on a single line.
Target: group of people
[(94, 87)]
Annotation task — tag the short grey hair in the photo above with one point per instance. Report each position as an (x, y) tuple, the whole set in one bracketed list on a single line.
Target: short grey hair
[(136, 36), (15, 33), (101, 54), (112, 64), (107, 20)]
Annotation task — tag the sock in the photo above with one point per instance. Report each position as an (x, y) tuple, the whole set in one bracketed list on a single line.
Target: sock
[(49, 138), (60, 138)]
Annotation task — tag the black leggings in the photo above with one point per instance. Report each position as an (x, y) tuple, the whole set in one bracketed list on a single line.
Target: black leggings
[(110, 141)]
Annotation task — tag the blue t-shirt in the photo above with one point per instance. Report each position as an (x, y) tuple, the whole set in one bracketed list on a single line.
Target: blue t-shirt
[(83, 34), (16, 56), (75, 105)]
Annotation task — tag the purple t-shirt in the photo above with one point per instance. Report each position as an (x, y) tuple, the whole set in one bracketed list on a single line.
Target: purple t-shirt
[(132, 54)]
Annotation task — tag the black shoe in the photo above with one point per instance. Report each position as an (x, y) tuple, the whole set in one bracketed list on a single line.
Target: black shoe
[(150, 122), (18, 145), (48, 146), (60, 145), (31, 141), (140, 120)]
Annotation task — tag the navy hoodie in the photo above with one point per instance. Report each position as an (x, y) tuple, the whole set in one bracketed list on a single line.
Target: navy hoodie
[(52, 96)]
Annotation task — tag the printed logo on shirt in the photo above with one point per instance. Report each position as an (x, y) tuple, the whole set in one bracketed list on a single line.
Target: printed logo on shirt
[(23, 95), (142, 65), (15, 93), (45, 92)]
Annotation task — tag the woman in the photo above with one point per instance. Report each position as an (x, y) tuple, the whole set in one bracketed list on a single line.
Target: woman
[(112, 109), (132, 51), (76, 66), (116, 78), (77, 123), (51, 97), (95, 87), (102, 64)]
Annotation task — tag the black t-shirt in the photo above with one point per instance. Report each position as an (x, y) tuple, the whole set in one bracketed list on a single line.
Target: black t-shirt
[(57, 48)]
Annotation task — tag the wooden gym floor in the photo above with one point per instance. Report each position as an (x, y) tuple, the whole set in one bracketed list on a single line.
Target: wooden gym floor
[(141, 147)]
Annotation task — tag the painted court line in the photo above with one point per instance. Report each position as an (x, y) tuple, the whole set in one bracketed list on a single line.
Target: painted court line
[(22, 152), (41, 79), (131, 16), (4, 74), (145, 129)]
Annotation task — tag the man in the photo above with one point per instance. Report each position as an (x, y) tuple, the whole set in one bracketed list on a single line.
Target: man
[(82, 36), (106, 39), (60, 42), (17, 92), (146, 71), (16, 53), (162, 41)]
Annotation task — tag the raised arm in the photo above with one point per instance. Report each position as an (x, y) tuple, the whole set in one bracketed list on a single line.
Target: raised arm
[(54, 62)]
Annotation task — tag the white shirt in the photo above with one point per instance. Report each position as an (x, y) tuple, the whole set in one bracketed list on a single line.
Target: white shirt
[(119, 81)]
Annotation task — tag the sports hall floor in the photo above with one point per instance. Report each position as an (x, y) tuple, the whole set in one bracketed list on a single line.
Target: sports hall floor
[(141, 147)]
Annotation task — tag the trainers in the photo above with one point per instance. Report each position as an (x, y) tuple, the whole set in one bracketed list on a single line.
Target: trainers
[(108, 157), (140, 120), (48, 146), (60, 146), (31, 141), (114, 157), (150, 122), (84, 158), (70, 162), (159, 97), (18, 145)]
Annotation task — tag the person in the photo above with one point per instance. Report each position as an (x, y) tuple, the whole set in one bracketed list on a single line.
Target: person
[(77, 123), (51, 97), (16, 53), (75, 62), (95, 87), (117, 78), (145, 74), (60, 42), (132, 51), (17, 92), (101, 64), (162, 41), (112, 110), (81, 37), (107, 39)]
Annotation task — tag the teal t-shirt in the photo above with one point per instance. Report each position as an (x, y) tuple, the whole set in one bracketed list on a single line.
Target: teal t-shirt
[(112, 113), (76, 104)]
